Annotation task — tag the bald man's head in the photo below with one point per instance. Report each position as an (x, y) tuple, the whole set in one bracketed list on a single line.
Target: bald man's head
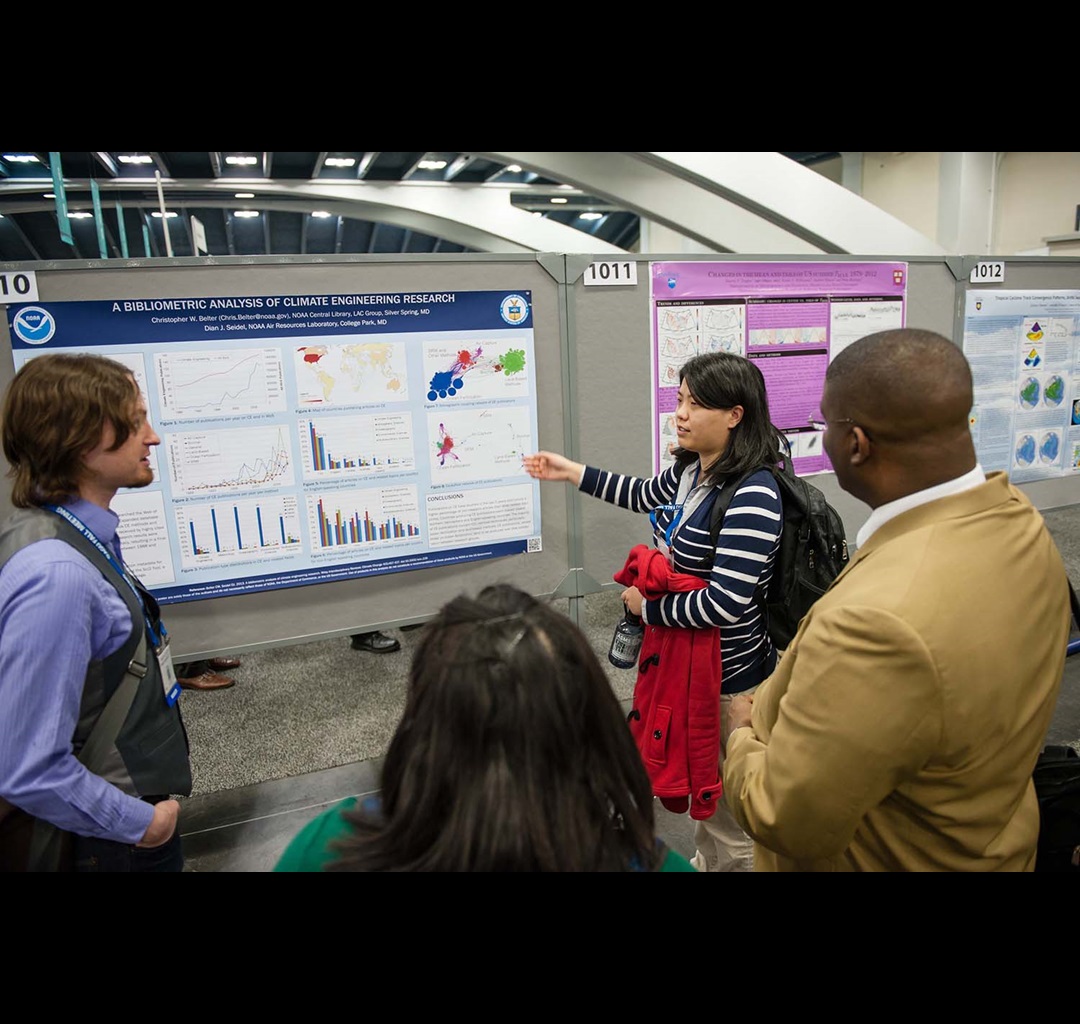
[(903, 385)]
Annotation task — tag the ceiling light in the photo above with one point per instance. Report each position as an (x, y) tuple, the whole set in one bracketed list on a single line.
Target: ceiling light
[(591, 215), (559, 199), (244, 195), (340, 161), (21, 158), (78, 214), (321, 213), (135, 158), (513, 168), (49, 195), (431, 165), (245, 213), (246, 161), (566, 186), (168, 213)]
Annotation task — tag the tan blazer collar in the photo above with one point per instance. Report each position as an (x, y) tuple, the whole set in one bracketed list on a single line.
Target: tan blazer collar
[(995, 491)]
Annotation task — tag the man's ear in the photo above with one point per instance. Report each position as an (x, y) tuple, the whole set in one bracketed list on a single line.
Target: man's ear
[(859, 445)]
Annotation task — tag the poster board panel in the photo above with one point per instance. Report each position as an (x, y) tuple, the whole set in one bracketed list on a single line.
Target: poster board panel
[(298, 613)]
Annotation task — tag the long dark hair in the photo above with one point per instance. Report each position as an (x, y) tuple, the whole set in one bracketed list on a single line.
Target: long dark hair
[(512, 753), (720, 380)]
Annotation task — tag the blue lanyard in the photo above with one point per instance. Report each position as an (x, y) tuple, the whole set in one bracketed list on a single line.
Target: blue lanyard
[(677, 509), (85, 530)]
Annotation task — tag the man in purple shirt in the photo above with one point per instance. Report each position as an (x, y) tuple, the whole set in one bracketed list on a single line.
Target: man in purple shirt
[(92, 746)]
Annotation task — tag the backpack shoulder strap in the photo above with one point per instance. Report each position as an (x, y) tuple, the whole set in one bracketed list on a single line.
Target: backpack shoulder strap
[(725, 492)]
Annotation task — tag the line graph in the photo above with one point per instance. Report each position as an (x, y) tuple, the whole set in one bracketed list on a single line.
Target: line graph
[(224, 461), (220, 383)]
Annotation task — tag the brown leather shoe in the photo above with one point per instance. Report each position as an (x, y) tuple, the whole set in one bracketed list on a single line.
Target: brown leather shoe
[(206, 681), (224, 664)]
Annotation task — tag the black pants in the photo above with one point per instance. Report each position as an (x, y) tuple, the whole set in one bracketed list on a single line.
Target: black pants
[(105, 855)]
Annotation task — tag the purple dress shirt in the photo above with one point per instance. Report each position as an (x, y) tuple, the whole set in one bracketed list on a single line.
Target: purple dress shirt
[(57, 614)]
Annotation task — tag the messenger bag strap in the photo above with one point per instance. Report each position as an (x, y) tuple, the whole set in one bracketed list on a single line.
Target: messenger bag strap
[(47, 842)]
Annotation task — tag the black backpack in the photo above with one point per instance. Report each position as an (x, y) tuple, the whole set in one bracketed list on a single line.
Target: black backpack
[(813, 549), (1057, 785)]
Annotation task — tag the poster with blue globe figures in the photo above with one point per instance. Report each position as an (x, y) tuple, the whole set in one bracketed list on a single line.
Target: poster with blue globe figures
[(313, 438), (1024, 351)]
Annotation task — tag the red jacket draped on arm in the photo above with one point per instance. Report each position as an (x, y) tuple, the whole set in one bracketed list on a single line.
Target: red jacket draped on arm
[(675, 719)]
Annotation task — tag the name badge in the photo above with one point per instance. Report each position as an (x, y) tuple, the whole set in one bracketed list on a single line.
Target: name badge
[(168, 674)]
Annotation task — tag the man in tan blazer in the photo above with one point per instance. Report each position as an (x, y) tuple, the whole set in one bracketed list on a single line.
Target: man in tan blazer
[(900, 729)]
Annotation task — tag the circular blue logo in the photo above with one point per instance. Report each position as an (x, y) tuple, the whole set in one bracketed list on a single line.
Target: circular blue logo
[(34, 325), (514, 309)]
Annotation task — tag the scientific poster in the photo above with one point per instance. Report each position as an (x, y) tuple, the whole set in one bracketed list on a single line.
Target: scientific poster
[(309, 438), (790, 318), (1023, 350)]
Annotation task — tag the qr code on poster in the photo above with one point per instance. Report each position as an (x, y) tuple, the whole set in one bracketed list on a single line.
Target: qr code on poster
[(534, 545)]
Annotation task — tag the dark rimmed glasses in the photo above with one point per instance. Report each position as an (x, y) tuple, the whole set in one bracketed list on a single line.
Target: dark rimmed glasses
[(820, 423)]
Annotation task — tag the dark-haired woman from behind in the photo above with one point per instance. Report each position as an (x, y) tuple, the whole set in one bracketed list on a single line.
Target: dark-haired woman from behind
[(512, 754)]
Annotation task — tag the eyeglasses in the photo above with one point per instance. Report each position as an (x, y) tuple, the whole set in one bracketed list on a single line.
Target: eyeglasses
[(821, 423)]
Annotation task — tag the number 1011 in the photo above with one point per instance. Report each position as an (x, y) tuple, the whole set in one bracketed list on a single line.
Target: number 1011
[(611, 273)]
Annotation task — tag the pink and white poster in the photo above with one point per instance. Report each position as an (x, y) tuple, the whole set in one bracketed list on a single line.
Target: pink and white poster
[(791, 318)]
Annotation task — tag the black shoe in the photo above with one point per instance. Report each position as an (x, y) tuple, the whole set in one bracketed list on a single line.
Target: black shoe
[(376, 643)]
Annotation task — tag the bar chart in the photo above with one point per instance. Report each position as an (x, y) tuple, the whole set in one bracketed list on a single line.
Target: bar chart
[(222, 532), (356, 445), (374, 517)]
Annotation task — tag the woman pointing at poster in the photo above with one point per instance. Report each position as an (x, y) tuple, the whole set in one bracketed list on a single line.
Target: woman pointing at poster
[(723, 431)]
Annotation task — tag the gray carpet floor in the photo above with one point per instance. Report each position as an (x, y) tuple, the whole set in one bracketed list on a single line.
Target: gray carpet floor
[(320, 705)]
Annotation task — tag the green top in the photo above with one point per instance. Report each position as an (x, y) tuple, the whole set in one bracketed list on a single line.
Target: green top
[(309, 850)]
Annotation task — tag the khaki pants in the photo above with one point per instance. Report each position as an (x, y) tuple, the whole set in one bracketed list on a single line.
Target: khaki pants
[(721, 844)]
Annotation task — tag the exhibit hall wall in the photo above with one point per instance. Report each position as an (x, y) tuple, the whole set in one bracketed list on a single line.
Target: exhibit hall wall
[(594, 392)]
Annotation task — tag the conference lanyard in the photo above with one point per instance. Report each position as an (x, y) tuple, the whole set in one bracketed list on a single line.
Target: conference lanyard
[(159, 638), (677, 513)]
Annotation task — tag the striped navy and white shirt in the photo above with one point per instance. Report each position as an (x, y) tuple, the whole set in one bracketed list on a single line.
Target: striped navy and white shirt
[(744, 557)]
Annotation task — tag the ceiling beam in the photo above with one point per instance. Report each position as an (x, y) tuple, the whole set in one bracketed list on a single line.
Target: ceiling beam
[(26, 241), (108, 163), (366, 162)]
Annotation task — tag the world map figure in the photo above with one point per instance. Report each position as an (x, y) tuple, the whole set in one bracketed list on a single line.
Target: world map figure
[(1054, 391), (1025, 450), (351, 373), (1049, 448), (1029, 393)]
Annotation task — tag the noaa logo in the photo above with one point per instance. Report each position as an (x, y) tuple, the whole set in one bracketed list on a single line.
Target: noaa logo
[(34, 325), (514, 309)]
